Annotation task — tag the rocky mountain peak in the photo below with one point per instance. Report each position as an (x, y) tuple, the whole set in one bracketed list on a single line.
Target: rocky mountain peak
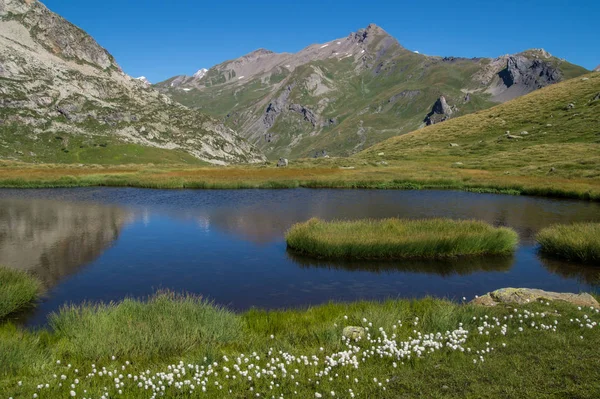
[(200, 74), (367, 34), (597, 69), (54, 33), (144, 80)]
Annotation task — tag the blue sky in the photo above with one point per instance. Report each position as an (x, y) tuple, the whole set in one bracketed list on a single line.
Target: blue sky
[(163, 38)]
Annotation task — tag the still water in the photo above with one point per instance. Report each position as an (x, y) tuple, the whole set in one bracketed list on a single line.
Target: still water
[(104, 244)]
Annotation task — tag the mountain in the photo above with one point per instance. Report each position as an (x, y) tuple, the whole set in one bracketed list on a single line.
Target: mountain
[(65, 99), (597, 69), (552, 132), (143, 79), (345, 95)]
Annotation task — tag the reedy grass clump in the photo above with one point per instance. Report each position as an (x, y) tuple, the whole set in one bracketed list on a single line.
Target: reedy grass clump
[(397, 238), (577, 242), (18, 290), (167, 324)]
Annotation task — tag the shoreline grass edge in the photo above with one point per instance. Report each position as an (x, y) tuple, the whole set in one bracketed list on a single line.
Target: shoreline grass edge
[(578, 242), (399, 239)]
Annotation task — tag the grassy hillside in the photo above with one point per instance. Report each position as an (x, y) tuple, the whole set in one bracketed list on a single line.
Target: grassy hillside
[(553, 132), (561, 160)]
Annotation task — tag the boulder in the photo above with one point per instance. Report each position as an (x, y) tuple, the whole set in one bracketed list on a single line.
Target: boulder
[(522, 296), (353, 333), (454, 145), (524, 133), (282, 163)]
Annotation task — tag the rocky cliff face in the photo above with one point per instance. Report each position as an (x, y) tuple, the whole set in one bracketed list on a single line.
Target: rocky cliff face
[(60, 88), (347, 94)]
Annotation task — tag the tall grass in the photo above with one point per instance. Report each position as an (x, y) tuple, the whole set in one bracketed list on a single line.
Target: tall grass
[(17, 290), (578, 242), (165, 325), (397, 238)]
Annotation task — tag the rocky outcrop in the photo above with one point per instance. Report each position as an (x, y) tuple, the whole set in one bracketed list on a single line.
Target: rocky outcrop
[(308, 115), (440, 112), (276, 107), (531, 73), (57, 79), (597, 69), (521, 296), (282, 163)]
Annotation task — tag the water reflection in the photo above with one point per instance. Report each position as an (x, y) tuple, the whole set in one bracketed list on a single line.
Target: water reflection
[(442, 267), (103, 244), (585, 273), (54, 239)]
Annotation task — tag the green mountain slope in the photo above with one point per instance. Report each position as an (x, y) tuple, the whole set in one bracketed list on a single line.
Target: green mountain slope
[(63, 98), (552, 132), (345, 95)]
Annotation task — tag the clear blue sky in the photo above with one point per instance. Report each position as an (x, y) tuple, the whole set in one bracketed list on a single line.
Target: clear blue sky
[(163, 38)]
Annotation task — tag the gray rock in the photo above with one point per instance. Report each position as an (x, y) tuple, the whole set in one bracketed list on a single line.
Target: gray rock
[(440, 112), (596, 97), (524, 133), (454, 145), (571, 106), (522, 296), (308, 114), (354, 333), (282, 163), (275, 108), (511, 137)]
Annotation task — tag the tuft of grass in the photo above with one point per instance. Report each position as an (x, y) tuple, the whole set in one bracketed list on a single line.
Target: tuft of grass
[(18, 290), (167, 324), (577, 242), (397, 238)]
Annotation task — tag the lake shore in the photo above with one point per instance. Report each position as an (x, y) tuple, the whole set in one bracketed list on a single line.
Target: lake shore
[(345, 173), (183, 345)]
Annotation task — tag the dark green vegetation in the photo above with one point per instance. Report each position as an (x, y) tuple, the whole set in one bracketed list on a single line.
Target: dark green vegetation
[(166, 324), (577, 242), (550, 358), (17, 291), (397, 239)]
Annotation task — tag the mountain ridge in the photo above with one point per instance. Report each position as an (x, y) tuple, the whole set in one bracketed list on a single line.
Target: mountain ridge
[(64, 98), (312, 102)]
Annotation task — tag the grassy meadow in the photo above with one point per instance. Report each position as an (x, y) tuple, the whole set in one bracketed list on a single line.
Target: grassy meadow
[(17, 291), (428, 348), (398, 239), (576, 242)]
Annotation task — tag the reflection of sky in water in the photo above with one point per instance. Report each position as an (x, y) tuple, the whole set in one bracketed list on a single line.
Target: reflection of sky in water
[(104, 244)]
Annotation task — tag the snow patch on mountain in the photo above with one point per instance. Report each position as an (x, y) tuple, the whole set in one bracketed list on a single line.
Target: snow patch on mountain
[(200, 74), (144, 80)]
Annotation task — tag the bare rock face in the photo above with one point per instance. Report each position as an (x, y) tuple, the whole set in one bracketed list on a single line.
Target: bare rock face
[(308, 115), (531, 73), (522, 296), (57, 76), (440, 112), (597, 69)]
